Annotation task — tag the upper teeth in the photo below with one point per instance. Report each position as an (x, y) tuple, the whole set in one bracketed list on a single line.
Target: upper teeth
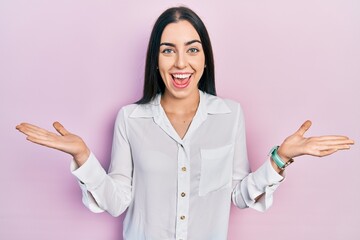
[(181, 75)]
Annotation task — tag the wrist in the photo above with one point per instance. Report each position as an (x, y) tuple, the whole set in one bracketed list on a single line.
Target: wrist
[(281, 154), (81, 157), (279, 161)]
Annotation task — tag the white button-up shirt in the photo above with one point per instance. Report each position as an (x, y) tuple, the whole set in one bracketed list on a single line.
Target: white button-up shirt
[(177, 188)]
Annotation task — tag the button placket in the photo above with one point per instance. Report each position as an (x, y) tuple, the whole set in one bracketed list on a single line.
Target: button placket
[(182, 190)]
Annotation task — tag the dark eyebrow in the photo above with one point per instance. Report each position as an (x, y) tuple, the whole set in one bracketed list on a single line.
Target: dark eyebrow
[(192, 41), (167, 44), (186, 44)]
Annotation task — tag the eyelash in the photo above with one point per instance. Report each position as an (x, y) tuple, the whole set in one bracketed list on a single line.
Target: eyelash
[(167, 51), (191, 50)]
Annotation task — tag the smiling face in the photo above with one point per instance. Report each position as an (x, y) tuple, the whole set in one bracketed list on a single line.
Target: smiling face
[(181, 60)]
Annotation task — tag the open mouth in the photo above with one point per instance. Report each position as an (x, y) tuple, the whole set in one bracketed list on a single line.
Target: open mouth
[(181, 80)]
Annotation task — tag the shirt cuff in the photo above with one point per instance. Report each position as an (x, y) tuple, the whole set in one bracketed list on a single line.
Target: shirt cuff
[(266, 175), (263, 182), (91, 173)]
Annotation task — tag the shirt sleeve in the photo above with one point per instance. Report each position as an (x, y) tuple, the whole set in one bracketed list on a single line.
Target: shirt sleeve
[(247, 186), (108, 192)]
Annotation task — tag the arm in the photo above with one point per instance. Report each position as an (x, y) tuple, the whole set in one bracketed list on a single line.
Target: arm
[(112, 192), (251, 189), (256, 189), (101, 192)]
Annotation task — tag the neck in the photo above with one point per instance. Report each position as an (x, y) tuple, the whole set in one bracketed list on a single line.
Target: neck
[(180, 105)]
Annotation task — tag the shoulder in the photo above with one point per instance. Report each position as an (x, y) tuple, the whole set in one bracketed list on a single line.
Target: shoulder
[(139, 110), (127, 109), (218, 104)]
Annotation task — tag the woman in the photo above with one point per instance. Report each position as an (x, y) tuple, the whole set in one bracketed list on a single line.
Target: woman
[(179, 154)]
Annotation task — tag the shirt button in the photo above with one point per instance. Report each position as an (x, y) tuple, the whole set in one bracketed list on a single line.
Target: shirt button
[(183, 169), (182, 217), (183, 194)]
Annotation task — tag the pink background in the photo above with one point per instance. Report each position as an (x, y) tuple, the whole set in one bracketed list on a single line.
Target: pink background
[(79, 61)]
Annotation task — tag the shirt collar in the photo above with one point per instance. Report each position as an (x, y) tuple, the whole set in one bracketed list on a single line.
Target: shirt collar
[(209, 104)]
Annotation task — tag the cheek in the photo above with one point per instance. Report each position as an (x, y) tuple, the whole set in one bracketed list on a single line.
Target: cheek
[(198, 65), (163, 67), (197, 62), (163, 76), (165, 62)]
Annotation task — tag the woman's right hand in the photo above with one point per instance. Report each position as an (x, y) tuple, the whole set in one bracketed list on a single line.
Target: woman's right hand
[(66, 141)]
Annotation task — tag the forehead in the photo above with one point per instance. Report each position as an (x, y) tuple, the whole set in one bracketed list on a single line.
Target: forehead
[(179, 32)]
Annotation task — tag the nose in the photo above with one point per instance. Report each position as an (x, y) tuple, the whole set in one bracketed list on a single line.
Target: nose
[(181, 60)]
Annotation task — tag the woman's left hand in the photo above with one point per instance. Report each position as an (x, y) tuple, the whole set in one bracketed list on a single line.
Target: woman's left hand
[(297, 145)]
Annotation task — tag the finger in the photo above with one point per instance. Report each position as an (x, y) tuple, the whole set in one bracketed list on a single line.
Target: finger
[(324, 150), (50, 137), (27, 126), (60, 129), (27, 131), (43, 142), (304, 127), (337, 147), (334, 142), (333, 150), (31, 130), (327, 152), (330, 138)]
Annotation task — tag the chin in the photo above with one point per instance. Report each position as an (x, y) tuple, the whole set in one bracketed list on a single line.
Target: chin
[(182, 93)]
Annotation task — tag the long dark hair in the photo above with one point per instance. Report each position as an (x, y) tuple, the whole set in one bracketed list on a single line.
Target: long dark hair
[(153, 83)]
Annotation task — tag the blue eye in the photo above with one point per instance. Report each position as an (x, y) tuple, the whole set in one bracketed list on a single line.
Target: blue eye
[(167, 51), (193, 50)]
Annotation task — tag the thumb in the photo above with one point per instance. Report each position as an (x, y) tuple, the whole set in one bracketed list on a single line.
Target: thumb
[(60, 129), (304, 127)]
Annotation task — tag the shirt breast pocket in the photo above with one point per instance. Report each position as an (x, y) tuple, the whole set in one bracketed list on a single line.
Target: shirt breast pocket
[(216, 169)]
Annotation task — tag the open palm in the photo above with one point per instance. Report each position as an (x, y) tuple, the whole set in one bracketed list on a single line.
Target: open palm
[(66, 141), (297, 145)]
